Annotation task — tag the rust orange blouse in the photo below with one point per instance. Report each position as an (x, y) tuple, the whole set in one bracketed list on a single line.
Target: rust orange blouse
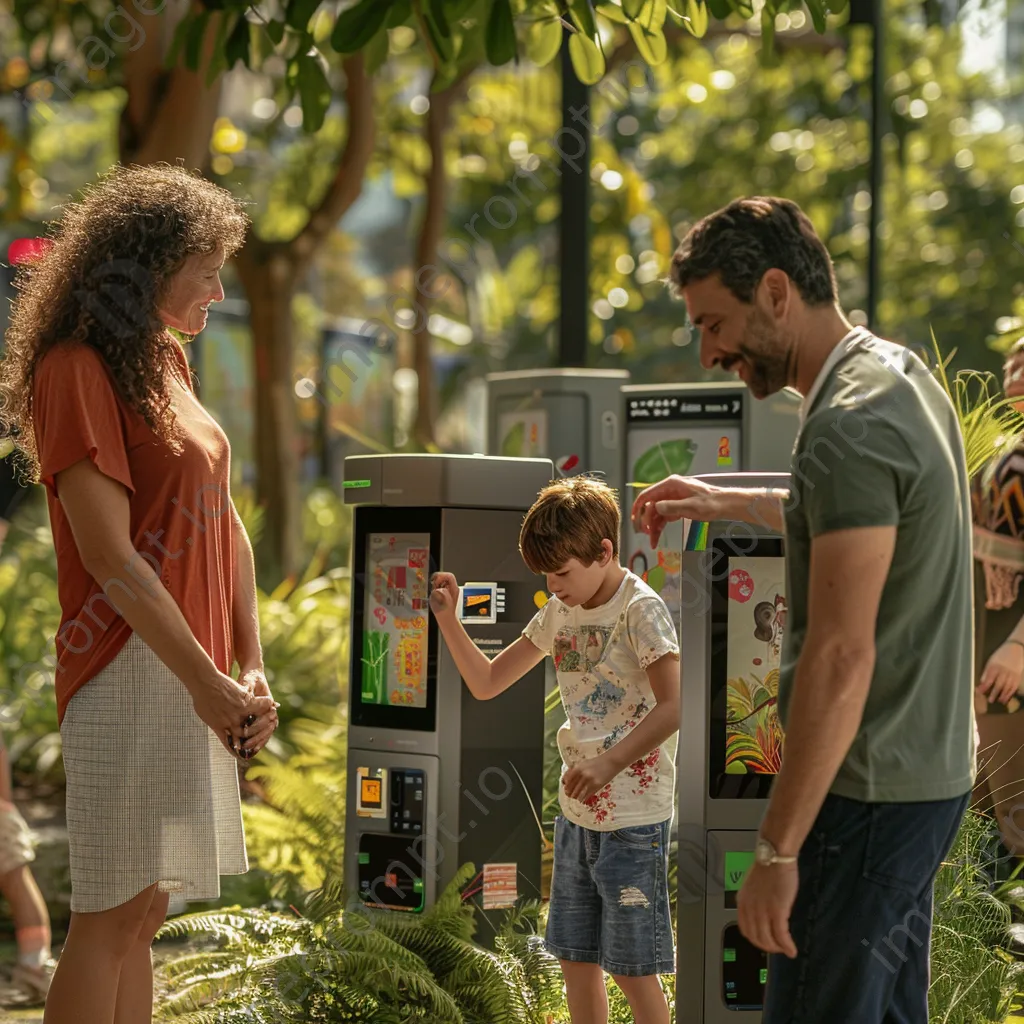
[(181, 522)]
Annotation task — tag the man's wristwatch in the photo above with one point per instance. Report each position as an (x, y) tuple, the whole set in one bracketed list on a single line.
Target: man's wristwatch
[(766, 855)]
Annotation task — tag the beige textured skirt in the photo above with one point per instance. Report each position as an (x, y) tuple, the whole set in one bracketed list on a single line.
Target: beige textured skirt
[(152, 796)]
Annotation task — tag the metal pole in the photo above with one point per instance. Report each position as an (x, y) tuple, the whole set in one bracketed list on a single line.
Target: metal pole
[(877, 158), (323, 440), (574, 249)]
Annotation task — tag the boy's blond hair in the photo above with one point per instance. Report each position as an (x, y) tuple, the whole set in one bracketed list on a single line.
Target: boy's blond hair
[(569, 519)]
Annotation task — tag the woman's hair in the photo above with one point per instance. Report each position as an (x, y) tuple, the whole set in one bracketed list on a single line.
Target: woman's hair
[(101, 281), (569, 519)]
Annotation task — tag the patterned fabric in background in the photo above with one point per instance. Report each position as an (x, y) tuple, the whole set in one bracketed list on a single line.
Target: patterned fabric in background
[(997, 498)]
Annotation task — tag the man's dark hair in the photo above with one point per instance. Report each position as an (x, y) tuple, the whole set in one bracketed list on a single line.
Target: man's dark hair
[(750, 236)]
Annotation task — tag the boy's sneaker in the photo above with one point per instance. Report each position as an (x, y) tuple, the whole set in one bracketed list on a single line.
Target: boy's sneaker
[(34, 982)]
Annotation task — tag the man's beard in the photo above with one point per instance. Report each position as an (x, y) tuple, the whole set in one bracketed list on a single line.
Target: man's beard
[(766, 355)]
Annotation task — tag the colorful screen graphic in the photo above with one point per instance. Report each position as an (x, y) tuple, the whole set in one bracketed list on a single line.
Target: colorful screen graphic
[(479, 603), (523, 434), (653, 454), (756, 624), (395, 619)]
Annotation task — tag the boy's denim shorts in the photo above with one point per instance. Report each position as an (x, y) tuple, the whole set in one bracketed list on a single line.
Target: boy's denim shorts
[(609, 899)]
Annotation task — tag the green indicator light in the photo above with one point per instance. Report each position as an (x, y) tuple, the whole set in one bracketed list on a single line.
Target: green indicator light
[(357, 484), (764, 975), (736, 867), (417, 885), (729, 956), (364, 858), (730, 995)]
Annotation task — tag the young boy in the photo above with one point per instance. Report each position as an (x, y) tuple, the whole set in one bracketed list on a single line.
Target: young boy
[(617, 662)]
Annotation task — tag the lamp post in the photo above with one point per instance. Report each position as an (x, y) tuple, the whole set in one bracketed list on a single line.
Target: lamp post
[(574, 225), (872, 12)]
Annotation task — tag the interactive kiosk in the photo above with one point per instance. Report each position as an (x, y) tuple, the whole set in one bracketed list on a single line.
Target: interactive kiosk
[(571, 416), (437, 778), (690, 429), (730, 746)]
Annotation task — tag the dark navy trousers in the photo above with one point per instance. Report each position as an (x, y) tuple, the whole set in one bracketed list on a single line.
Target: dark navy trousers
[(862, 919)]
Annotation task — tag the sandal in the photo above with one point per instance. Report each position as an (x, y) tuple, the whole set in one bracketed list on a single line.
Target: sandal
[(34, 981)]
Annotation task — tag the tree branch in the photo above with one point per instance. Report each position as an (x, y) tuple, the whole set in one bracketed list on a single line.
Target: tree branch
[(801, 39), (804, 39), (352, 162)]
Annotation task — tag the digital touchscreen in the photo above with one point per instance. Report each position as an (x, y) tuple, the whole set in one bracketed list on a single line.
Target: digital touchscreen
[(396, 619), (757, 621), (748, 627)]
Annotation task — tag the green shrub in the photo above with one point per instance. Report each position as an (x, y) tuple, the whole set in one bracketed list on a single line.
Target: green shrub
[(29, 619), (334, 964), (297, 835), (304, 629), (974, 978)]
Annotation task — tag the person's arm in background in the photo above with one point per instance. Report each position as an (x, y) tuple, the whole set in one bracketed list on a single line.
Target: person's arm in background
[(245, 630), (681, 497), (1003, 673)]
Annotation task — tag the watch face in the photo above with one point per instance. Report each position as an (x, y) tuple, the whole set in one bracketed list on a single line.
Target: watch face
[(763, 853)]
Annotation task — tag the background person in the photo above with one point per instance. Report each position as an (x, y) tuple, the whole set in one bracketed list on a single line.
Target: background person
[(34, 967), (998, 506), (154, 570), (876, 682)]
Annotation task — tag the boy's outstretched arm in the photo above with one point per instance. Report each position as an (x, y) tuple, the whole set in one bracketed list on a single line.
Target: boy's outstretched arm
[(590, 777), (484, 677)]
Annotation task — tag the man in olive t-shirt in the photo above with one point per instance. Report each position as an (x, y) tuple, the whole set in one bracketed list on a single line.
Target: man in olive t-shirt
[(881, 446), (876, 683)]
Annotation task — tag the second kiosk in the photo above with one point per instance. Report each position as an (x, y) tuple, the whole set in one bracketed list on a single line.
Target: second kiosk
[(730, 749)]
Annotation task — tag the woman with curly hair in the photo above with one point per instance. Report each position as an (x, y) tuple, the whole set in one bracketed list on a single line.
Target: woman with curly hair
[(154, 570)]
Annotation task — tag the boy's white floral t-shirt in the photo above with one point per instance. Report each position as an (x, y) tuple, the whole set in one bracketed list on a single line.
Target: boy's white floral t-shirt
[(601, 656)]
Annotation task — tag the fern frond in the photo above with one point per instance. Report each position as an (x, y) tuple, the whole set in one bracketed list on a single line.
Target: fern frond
[(225, 925), (206, 990), (989, 423), (196, 965)]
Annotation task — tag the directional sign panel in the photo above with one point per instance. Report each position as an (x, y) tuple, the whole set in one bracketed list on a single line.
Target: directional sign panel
[(648, 408)]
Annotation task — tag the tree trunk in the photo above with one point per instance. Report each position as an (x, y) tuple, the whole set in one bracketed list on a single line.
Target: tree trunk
[(267, 274), (270, 274), (169, 116), (425, 276), (170, 113)]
